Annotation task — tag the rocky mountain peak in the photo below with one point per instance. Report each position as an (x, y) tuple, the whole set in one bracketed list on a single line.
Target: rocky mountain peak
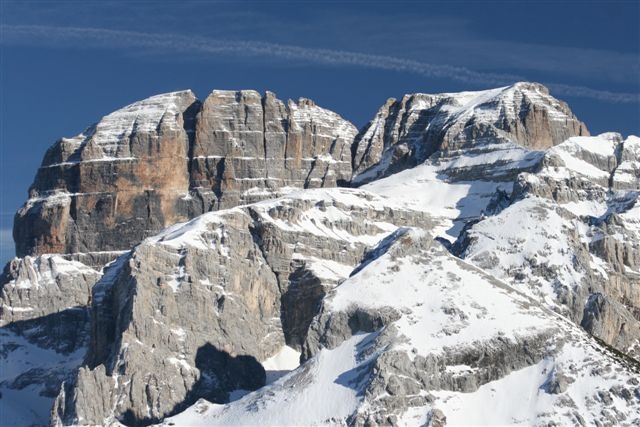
[(171, 157), (488, 259), (405, 133)]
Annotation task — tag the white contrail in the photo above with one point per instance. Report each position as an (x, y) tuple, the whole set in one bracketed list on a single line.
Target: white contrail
[(98, 37)]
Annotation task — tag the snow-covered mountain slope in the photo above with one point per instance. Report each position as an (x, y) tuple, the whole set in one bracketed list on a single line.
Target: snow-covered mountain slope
[(564, 225), (571, 238), (491, 277), (417, 335), (440, 187)]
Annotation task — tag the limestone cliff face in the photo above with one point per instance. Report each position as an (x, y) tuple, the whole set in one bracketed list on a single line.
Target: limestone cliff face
[(195, 310), (169, 158), (192, 312), (109, 187), (247, 147), (406, 132)]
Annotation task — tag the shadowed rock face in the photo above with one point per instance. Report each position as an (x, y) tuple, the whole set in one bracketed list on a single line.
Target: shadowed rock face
[(246, 281), (169, 158)]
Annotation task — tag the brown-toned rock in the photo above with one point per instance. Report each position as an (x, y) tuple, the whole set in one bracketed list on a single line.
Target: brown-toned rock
[(169, 158), (114, 184)]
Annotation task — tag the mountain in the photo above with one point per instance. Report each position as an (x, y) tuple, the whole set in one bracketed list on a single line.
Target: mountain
[(169, 158), (467, 258)]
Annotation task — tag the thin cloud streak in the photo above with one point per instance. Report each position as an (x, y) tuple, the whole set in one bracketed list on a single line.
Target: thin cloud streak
[(104, 38)]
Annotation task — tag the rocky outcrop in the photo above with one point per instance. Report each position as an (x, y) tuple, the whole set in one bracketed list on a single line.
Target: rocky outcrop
[(589, 267), (36, 287), (166, 318), (404, 133), (247, 147), (627, 172), (177, 298), (44, 299), (111, 186), (611, 321), (169, 158)]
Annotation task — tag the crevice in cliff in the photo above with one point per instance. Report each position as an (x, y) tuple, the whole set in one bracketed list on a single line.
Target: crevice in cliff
[(354, 147), (111, 309), (217, 186), (300, 303), (256, 229), (264, 139), (189, 122), (301, 291), (617, 152), (307, 179)]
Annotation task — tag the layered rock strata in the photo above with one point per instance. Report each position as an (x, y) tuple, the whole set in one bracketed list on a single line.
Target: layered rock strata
[(162, 324), (580, 214), (406, 132), (169, 158), (179, 296)]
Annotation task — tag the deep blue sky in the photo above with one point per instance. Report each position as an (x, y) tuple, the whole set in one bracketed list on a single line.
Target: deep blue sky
[(65, 64)]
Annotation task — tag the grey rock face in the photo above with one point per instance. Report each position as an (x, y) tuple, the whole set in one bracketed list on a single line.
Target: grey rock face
[(406, 132), (247, 147), (45, 300), (626, 176), (170, 158), (165, 320), (612, 322), (168, 325), (31, 288)]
